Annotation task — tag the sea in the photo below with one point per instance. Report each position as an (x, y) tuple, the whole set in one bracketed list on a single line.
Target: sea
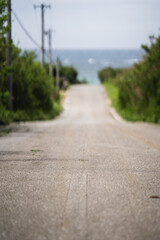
[(89, 62)]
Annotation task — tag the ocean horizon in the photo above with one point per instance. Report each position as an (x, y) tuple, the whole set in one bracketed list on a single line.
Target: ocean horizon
[(89, 62)]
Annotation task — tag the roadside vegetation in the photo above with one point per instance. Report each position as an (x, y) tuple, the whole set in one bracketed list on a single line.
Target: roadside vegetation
[(34, 93), (135, 91)]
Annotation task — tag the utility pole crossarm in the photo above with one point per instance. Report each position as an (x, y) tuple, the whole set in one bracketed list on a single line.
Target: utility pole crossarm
[(39, 6)]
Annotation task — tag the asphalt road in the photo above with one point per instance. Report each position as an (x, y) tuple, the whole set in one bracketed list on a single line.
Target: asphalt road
[(86, 175)]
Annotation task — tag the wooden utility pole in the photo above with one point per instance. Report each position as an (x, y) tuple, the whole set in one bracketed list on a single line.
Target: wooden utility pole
[(42, 6), (50, 53), (49, 33), (57, 75), (9, 55)]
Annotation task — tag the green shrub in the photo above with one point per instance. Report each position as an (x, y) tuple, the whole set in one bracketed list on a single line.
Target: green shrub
[(108, 73), (6, 116), (139, 86), (32, 86)]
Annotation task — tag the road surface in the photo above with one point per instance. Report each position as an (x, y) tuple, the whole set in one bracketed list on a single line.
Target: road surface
[(87, 175)]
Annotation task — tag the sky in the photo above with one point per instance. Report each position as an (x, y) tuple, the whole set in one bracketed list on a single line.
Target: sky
[(88, 24)]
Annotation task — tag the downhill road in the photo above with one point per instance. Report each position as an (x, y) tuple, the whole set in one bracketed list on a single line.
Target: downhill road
[(87, 175)]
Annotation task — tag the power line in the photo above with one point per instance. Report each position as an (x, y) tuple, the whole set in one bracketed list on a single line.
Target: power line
[(30, 3), (24, 29), (27, 33), (36, 21)]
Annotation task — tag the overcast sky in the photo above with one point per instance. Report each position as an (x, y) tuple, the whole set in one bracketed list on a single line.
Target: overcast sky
[(89, 24)]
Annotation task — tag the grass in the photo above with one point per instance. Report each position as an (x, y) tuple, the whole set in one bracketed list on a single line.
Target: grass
[(113, 94)]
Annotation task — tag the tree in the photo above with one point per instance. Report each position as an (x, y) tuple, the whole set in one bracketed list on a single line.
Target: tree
[(3, 46)]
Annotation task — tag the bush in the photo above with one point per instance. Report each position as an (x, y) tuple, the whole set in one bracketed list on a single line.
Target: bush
[(32, 86), (108, 73), (33, 91), (139, 86), (67, 73), (6, 116)]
